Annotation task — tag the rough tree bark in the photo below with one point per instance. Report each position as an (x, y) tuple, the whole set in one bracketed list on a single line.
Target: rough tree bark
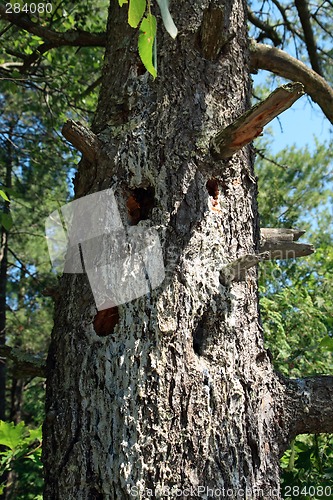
[(174, 389), (7, 157)]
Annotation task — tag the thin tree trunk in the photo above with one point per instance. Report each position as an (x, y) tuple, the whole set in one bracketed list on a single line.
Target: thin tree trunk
[(3, 276), (3, 288), (17, 384)]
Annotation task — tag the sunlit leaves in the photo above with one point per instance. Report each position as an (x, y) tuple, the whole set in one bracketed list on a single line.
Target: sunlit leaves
[(3, 195), (21, 452), (136, 10), (327, 343), (146, 42), (147, 29), (10, 434), (307, 467), (295, 190)]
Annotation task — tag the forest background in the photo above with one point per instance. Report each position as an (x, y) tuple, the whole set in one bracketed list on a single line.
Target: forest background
[(43, 85)]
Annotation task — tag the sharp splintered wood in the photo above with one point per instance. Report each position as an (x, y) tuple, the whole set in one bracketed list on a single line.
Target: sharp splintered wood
[(280, 234), (250, 125), (82, 139), (286, 249)]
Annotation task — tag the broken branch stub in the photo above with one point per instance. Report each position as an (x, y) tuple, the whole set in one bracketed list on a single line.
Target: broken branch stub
[(82, 139), (280, 243), (280, 234), (275, 244), (286, 249), (236, 270), (250, 125)]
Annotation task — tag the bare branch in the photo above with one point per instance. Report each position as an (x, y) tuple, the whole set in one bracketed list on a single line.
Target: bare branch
[(260, 153), (248, 126), (268, 30), (304, 15), (73, 38), (276, 243), (91, 87), (281, 250), (236, 270), (279, 62), (283, 13), (37, 54), (9, 66)]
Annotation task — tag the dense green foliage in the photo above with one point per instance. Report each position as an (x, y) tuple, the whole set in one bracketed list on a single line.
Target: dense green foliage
[(21, 449), (296, 190), (36, 173), (296, 303)]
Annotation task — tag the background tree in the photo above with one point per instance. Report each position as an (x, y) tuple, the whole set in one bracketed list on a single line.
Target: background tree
[(202, 321), (36, 97), (296, 306)]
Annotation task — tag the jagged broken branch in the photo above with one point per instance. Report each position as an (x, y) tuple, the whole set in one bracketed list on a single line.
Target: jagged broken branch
[(248, 126), (236, 270), (280, 233)]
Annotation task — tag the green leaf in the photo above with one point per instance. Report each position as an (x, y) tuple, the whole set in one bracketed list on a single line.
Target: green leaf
[(136, 10), (327, 342), (146, 43), (3, 195), (6, 221), (35, 434), (12, 435), (121, 2)]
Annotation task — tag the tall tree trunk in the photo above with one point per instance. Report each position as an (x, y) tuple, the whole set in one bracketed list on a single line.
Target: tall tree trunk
[(3, 270), (17, 384), (8, 157), (3, 287), (180, 392)]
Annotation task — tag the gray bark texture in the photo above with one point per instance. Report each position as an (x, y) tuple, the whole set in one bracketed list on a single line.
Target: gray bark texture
[(172, 394)]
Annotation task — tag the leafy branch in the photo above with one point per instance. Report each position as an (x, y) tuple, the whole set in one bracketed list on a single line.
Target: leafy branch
[(139, 13)]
